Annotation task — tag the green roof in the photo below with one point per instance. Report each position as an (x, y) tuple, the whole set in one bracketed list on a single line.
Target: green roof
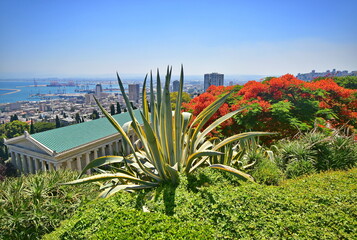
[(65, 138)]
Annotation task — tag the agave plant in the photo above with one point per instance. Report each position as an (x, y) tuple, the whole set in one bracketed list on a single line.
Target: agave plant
[(169, 142)]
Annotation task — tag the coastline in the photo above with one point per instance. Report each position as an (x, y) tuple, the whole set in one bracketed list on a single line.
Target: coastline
[(13, 91)]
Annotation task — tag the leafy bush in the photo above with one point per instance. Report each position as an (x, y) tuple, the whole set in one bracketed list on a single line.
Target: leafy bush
[(319, 206), (267, 172), (314, 152), (7, 170), (35, 204), (284, 104)]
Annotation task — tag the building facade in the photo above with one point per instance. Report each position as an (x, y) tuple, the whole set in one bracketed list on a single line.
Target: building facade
[(71, 147), (98, 90), (175, 86), (134, 92), (216, 79), (313, 74)]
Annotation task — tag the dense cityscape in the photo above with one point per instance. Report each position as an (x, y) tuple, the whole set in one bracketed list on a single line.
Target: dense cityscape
[(77, 107)]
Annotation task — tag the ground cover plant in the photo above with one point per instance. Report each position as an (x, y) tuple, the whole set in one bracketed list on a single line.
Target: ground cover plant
[(213, 205), (32, 205)]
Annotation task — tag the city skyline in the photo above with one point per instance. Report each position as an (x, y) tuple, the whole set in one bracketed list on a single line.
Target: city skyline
[(90, 39)]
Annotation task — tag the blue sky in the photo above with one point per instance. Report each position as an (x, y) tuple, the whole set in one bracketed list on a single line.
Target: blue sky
[(97, 38)]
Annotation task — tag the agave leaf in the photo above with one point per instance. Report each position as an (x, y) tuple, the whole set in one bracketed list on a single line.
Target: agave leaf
[(122, 132), (240, 136), (111, 191), (173, 173), (204, 116), (155, 149), (196, 155), (166, 122), (106, 176), (158, 87), (215, 124), (243, 176), (115, 124), (144, 100), (178, 121), (102, 161)]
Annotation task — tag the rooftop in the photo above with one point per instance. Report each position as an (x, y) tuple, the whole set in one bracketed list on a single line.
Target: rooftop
[(65, 138)]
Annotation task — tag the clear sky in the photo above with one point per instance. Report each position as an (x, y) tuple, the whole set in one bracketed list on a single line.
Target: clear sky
[(97, 38)]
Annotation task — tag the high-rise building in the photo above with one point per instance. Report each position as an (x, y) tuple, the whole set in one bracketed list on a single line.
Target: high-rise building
[(175, 86), (216, 79), (98, 90), (134, 92)]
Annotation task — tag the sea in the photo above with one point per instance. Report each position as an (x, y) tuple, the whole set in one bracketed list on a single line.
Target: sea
[(25, 90)]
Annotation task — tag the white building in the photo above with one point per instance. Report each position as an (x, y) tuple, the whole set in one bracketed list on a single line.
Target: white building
[(328, 74), (213, 79), (71, 147)]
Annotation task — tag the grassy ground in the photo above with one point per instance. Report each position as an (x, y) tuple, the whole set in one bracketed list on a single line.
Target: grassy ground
[(212, 205)]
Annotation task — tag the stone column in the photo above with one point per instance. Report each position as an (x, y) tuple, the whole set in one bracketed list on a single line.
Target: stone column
[(25, 163), (37, 164), (95, 152), (50, 166), (79, 165), (57, 166), (30, 164), (69, 164), (111, 148), (13, 159), (87, 161), (115, 149), (19, 162), (44, 165), (103, 151), (119, 148)]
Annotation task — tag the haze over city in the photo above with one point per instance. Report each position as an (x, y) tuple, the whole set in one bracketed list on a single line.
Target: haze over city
[(98, 38)]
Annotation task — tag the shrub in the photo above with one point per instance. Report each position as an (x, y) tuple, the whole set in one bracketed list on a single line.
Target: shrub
[(319, 206), (7, 170), (35, 204), (267, 172), (313, 152), (284, 104)]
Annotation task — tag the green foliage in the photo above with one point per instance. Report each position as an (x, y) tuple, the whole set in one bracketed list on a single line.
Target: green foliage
[(95, 114), (313, 152), (112, 109), (174, 95), (13, 129), (43, 126), (347, 81), (35, 204), (13, 118), (118, 108), (10, 130), (58, 123), (208, 205), (267, 172), (78, 118)]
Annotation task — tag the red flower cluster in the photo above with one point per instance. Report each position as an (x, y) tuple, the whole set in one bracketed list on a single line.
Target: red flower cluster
[(284, 104)]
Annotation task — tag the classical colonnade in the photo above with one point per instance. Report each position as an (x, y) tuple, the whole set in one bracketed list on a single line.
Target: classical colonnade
[(30, 162)]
